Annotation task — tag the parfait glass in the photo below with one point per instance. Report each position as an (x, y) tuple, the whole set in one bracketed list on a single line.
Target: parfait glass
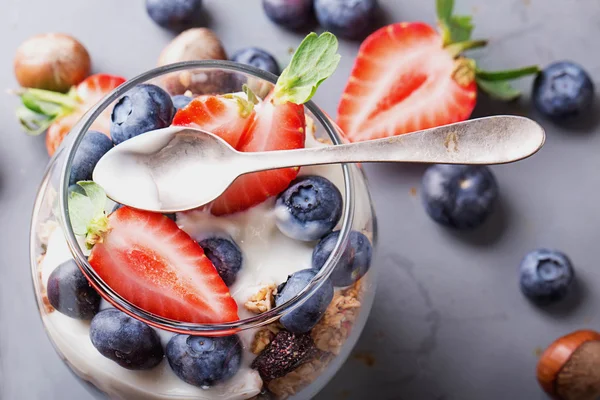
[(53, 241)]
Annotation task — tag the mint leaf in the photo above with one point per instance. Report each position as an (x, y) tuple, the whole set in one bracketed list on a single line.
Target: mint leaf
[(81, 212), (508, 74), (314, 61), (501, 90)]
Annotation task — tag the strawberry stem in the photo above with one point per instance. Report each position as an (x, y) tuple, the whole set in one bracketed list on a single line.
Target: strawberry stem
[(455, 49), (508, 74)]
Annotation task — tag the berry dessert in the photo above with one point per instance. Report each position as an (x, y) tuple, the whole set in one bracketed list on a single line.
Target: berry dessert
[(253, 249)]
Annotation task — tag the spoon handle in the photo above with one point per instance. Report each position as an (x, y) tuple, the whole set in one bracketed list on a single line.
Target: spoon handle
[(489, 140)]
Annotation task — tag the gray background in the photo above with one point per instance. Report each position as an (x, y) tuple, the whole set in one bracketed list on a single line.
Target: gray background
[(449, 321)]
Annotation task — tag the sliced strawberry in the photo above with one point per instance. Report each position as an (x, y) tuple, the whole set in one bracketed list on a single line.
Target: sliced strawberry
[(403, 80), (269, 127), (88, 92), (275, 127), (216, 114), (152, 263)]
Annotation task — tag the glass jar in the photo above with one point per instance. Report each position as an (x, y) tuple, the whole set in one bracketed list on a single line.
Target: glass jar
[(330, 341)]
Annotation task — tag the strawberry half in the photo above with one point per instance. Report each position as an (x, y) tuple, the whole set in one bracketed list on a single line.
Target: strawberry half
[(152, 263), (274, 127), (268, 126), (58, 112), (226, 117), (408, 77)]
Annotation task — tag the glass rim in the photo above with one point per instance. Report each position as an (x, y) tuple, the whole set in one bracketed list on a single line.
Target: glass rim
[(77, 134)]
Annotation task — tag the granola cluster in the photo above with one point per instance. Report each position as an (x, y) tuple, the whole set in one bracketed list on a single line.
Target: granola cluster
[(263, 300), (328, 335)]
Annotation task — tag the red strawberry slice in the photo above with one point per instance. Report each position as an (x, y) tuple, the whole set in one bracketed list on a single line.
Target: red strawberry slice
[(270, 127), (403, 80), (152, 263), (89, 92), (215, 114)]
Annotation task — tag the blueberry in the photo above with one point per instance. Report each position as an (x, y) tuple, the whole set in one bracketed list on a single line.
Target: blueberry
[(127, 341), (303, 318), (546, 276), (225, 255), (180, 101), (175, 14), (204, 361), (353, 264), (563, 90), (144, 108), (291, 14), (92, 147), (459, 196), (309, 208), (257, 58), (70, 293), (350, 19)]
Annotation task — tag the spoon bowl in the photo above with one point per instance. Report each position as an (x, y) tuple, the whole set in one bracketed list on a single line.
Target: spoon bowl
[(181, 168)]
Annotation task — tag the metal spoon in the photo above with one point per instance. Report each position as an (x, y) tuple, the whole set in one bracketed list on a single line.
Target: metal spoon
[(179, 168)]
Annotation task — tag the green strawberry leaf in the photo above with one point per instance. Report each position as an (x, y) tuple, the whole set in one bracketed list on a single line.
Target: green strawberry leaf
[(33, 123), (444, 9), (455, 28), (501, 90), (81, 212), (43, 107), (86, 213), (508, 74), (314, 61), (96, 194), (250, 94)]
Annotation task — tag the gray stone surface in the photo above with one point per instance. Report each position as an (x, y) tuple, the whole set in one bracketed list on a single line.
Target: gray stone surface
[(449, 321)]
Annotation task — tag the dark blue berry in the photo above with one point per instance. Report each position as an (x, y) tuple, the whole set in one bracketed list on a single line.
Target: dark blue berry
[(70, 292), (175, 14), (353, 264), (257, 58), (306, 316), (144, 108), (290, 14), (309, 208), (204, 361), (92, 147), (127, 341), (225, 255), (546, 276), (350, 19), (563, 90), (180, 101), (459, 196)]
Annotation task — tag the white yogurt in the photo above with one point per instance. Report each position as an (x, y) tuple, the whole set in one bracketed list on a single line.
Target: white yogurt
[(269, 257)]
